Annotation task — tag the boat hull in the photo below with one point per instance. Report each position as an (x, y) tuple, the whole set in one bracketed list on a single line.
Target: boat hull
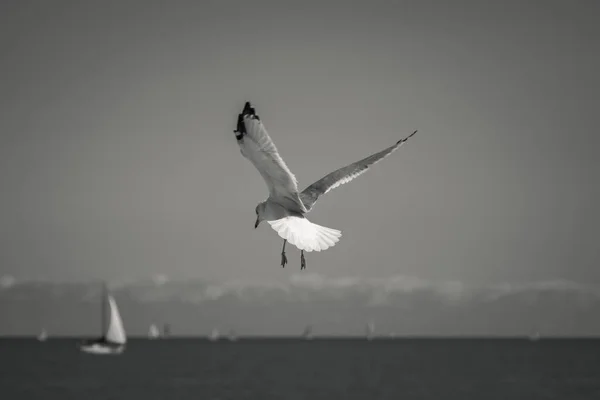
[(101, 349)]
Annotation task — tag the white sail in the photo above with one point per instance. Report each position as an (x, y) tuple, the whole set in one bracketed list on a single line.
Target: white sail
[(307, 334), (166, 330), (43, 335), (370, 330), (116, 331), (153, 332), (232, 335), (214, 335)]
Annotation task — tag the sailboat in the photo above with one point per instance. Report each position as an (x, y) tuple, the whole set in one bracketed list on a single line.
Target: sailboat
[(307, 333), (535, 336), (166, 330), (42, 336), (153, 332), (113, 337), (214, 335), (370, 330), (232, 336)]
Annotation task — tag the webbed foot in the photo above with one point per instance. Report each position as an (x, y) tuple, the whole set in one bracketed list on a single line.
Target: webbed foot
[(283, 259)]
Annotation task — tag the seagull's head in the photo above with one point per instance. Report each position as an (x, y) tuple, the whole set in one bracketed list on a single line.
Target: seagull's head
[(260, 211)]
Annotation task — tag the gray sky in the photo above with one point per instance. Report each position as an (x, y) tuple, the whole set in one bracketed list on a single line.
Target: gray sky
[(118, 161)]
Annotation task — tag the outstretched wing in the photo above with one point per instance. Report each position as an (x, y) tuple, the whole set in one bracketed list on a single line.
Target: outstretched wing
[(256, 145), (343, 175)]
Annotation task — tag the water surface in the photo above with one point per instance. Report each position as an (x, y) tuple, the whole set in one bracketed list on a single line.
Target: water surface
[(180, 369)]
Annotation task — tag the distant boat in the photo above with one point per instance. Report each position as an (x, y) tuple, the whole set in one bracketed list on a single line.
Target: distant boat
[(166, 330), (534, 336), (42, 336), (392, 335), (232, 336), (214, 335), (307, 333), (113, 337), (370, 331), (153, 332)]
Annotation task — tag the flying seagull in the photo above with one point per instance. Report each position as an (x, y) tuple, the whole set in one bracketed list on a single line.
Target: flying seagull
[(285, 207)]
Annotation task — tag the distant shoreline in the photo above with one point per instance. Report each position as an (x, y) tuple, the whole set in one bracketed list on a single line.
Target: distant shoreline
[(315, 338)]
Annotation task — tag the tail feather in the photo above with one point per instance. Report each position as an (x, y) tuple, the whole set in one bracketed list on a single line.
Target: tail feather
[(304, 234)]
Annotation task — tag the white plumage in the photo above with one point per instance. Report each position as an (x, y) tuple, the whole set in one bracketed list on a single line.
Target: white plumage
[(304, 234), (285, 207)]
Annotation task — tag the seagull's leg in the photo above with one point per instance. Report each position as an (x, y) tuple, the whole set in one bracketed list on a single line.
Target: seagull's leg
[(283, 257), (302, 260)]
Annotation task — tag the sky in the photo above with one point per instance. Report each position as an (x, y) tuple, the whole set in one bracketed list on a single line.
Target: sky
[(118, 160)]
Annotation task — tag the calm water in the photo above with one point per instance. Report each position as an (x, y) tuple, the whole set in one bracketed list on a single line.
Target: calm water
[(318, 369)]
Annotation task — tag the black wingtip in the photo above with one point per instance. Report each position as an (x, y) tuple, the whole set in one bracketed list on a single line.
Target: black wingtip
[(241, 127), (250, 111), (406, 138)]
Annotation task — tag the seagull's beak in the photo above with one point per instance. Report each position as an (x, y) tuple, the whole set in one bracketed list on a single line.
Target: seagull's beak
[(256, 223)]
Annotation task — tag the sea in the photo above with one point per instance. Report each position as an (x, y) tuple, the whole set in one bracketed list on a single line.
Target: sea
[(261, 369)]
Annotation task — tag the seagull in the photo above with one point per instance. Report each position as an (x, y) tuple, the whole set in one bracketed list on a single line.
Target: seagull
[(286, 207)]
